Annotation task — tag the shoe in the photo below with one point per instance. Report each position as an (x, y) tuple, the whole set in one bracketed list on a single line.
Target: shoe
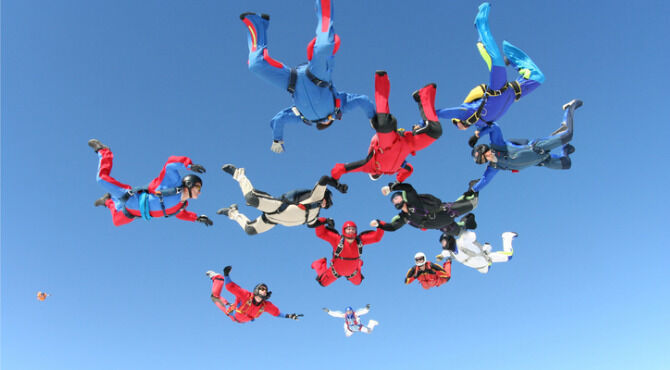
[(102, 200), (576, 102), (470, 222), (569, 149), (229, 168), (225, 211), (211, 274), (96, 145), (264, 16), (375, 177)]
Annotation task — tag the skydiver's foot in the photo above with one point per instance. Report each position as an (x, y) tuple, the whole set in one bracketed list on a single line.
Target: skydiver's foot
[(102, 200), (264, 16), (380, 73), (568, 149), (574, 102), (470, 222), (96, 145), (417, 94), (372, 324), (226, 210), (560, 129), (211, 274), (229, 168), (375, 177)]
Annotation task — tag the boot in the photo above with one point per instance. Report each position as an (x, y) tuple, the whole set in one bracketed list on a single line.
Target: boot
[(226, 211), (229, 168), (96, 145), (102, 200)]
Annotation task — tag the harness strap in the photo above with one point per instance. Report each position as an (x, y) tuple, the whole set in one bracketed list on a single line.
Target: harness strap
[(315, 80), (340, 247), (292, 81), (517, 89), (515, 85), (332, 269)]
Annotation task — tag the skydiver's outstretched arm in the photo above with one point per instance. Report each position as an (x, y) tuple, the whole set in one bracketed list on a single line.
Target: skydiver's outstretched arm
[(495, 134), (363, 311), (410, 194), (396, 222), (486, 178), (338, 314)]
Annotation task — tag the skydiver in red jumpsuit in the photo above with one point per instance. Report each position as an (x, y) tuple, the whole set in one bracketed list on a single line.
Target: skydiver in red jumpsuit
[(390, 146), (248, 306), (347, 249), (427, 273)]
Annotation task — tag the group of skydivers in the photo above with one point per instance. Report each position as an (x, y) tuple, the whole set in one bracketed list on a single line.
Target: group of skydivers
[(317, 102)]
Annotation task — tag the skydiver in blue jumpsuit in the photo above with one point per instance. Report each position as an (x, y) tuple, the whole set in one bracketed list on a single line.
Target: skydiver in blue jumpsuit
[(315, 100), (515, 155), (486, 104)]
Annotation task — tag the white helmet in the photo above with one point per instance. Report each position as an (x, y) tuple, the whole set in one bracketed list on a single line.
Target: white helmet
[(420, 259)]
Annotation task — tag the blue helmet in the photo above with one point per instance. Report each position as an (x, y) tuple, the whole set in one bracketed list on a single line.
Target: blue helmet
[(349, 312)]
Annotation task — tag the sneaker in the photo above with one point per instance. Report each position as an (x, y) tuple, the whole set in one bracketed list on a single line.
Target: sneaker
[(375, 177), (576, 102), (96, 145), (211, 274), (229, 169), (102, 200), (226, 211)]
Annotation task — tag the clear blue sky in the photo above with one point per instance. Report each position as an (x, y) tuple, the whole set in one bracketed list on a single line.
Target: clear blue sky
[(587, 288)]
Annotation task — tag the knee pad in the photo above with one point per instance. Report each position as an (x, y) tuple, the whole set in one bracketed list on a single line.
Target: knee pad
[(384, 123), (434, 129), (252, 199)]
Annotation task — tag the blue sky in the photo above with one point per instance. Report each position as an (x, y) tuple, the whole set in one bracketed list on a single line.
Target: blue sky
[(587, 287)]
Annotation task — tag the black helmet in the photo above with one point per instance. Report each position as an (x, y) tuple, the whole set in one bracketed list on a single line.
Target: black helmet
[(478, 153), (328, 196), (189, 181), (257, 289), (400, 194)]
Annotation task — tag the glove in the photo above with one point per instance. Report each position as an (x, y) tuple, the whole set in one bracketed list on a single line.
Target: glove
[(330, 223), (386, 190), (367, 306), (473, 141), (205, 220), (293, 316), (198, 168), (325, 309), (342, 188), (439, 257), (226, 270), (374, 223), (277, 146)]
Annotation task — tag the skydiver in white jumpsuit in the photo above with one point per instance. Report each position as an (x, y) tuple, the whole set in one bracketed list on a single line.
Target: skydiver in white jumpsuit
[(472, 253), (351, 321)]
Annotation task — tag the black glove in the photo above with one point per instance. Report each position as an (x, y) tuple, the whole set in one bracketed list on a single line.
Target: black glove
[(226, 270), (198, 168), (342, 188), (293, 316), (330, 223), (205, 220), (392, 184), (473, 141), (367, 306), (325, 309)]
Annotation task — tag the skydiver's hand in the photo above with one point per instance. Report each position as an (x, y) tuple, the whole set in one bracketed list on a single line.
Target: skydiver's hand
[(226, 270), (342, 188), (325, 309), (386, 190), (330, 223), (293, 316), (473, 141), (205, 220), (277, 146), (374, 223), (367, 306), (198, 168), (439, 257)]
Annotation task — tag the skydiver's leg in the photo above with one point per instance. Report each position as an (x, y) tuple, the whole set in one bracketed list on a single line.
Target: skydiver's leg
[(405, 171), (364, 165), (531, 76), (217, 285), (118, 217), (488, 48), (463, 205), (321, 50), (260, 61), (357, 279), (382, 91), (347, 331), (103, 177), (259, 225), (563, 135), (324, 275), (254, 197)]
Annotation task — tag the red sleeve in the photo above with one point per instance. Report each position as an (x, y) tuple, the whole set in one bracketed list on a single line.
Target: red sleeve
[(271, 308), (185, 161), (186, 215), (331, 237), (369, 237), (238, 292)]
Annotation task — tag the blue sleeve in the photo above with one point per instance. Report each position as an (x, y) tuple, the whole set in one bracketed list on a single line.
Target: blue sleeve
[(488, 176), (351, 101), (279, 120), (495, 134), (457, 112)]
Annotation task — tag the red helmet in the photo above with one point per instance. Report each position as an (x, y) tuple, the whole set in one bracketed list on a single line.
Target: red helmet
[(344, 228)]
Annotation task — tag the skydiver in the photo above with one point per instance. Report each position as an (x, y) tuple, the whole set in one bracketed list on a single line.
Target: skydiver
[(425, 211), (167, 195), (248, 306), (293, 208), (390, 146), (468, 251), (315, 99), (487, 103), (347, 250), (427, 273), (351, 321), (518, 154)]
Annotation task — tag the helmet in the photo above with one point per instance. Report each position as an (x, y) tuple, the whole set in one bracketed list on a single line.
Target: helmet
[(344, 230), (420, 259), (257, 289), (478, 153), (189, 181), (400, 194), (349, 312), (328, 196)]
